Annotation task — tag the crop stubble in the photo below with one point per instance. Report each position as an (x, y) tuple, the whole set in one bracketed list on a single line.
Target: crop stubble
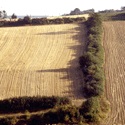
[(41, 60), (114, 45)]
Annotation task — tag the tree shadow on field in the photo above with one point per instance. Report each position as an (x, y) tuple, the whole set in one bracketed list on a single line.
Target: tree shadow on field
[(72, 72), (55, 33)]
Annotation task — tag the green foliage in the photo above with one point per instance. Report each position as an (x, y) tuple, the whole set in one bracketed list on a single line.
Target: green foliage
[(14, 121), (27, 20), (3, 14), (91, 64), (68, 20), (40, 21), (63, 114), (94, 21), (13, 16), (69, 114), (5, 121), (91, 110), (92, 60), (2, 23), (21, 104)]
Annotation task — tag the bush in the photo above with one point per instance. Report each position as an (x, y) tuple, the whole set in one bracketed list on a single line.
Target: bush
[(89, 59), (27, 20), (58, 21), (36, 21), (1, 23), (92, 61), (5, 121), (40, 21), (22, 104), (94, 21), (93, 89), (64, 114), (91, 110), (91, 64), (68, 20)]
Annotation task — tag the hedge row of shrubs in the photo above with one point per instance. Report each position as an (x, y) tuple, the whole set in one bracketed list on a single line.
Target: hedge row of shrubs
[(91, 62), (65, 115), (62, 115), (41, 21), (21, 104)]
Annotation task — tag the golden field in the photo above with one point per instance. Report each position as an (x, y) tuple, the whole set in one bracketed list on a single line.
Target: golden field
[(41, 60)]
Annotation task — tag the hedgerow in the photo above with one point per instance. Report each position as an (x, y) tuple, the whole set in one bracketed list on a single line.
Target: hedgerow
[(41, 21), (22, 104), (91, 64)]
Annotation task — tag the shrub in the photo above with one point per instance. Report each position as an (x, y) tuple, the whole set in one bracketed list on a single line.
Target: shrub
[(93, 89), (27, 20), (68, 20), (91, 110), (63, 114), (21, 104), (92, 61), (58, 21), (5, 121), (1, 23), (94, 20)]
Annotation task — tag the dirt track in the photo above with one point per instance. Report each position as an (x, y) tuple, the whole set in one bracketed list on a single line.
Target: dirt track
[(41, 60), (114, 44)]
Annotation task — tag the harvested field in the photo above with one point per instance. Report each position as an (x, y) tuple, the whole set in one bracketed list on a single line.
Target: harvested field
[(41, 60), (70, 16), (114, 45)]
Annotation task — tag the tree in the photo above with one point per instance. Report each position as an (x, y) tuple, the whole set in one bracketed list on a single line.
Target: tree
[(1, 14), (122, 8), (13, 16), (91, 110), (75, 11), (27, 20), (4, 14)]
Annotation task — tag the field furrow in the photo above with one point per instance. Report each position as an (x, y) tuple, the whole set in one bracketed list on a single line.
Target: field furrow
[(114, 45), (41, 60)]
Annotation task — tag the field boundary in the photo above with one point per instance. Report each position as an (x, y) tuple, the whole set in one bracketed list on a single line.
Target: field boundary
[(43, 21), (96, 107)]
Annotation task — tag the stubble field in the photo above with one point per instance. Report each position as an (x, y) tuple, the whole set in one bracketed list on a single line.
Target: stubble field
[(114, 45), (41, 60)]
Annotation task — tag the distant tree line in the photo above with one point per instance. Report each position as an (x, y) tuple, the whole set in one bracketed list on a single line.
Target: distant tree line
[(40, 21), (3, 15), (77, 11), (112, 10)]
